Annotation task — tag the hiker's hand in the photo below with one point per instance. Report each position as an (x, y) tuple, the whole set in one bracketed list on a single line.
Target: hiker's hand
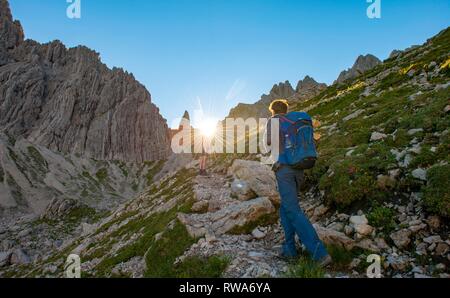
[(316, 123), (317, 136)]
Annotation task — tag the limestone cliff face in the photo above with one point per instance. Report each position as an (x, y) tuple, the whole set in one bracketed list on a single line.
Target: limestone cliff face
[(70, 102)]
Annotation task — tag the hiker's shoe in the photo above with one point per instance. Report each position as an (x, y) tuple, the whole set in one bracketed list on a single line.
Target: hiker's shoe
[(325, 262)]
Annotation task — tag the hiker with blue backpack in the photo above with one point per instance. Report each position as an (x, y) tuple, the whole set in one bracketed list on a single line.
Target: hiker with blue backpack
[(297, 153)]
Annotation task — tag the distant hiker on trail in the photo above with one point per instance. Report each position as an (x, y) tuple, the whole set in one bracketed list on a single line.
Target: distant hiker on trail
[(203, 159), (297, 153)]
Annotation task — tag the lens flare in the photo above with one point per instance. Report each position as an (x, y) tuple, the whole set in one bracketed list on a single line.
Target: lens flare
[(208, 127)]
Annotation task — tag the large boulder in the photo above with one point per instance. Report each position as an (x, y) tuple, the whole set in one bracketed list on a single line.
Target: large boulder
[(5, 258), (19, 257), (259, 177), (361, 225), (401, 238), (226, 219), (332, 237), (242, 191)]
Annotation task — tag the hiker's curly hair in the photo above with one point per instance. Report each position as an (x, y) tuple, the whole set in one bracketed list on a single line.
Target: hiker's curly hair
[(279, 106)]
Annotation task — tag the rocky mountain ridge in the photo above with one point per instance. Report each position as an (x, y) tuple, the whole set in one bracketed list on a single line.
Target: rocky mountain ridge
[(305, 89), (362, 65)]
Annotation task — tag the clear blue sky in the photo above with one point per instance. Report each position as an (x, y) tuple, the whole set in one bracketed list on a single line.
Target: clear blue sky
[(221, 52)]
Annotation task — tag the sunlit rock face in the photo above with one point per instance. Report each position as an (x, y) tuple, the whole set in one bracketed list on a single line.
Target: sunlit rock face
[(69, 101), (305, 90)]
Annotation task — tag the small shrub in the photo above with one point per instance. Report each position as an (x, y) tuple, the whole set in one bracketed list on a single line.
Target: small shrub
[(197, 267), (437, 191), (424, 159), (341, 257), (38, 159), (305, 267), (102, 174), (348, 183), (162, 254), (382, 217)]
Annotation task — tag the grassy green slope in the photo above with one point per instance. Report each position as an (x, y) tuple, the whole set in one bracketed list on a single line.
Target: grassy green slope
[(401, 95)]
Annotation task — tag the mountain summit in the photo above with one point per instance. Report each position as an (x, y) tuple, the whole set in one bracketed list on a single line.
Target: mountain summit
[(362, 64)]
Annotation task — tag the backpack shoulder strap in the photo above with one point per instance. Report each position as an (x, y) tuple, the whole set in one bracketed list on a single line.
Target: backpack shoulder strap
[(284, 118)]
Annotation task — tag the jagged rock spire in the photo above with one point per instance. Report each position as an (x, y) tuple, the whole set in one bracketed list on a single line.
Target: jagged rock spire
[(362, 64), (308, 83), (11, 33), (186, 115)]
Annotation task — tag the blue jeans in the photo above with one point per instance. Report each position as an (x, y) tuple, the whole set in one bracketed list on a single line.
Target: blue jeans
[(293, 220)]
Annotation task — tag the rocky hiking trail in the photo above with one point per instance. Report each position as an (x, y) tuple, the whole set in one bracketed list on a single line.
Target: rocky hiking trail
[(224, 224), (236, 216)]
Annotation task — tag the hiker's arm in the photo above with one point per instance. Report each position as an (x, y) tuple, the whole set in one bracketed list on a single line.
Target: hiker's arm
[(317, 136)]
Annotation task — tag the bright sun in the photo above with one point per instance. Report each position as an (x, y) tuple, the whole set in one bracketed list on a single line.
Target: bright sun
[(208, 127)]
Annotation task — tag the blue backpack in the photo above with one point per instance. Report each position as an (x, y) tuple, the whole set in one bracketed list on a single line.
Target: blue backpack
[(297, 140)]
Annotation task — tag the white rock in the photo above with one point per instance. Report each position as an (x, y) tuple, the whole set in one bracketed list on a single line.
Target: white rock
[(432, 239), (377, 136), (210, 237), (359, 220), (242, 190), (255, 254), (329, 236), (258, 234), (406, 161), (364, 229), (227, 218), (353, 115), (420, 174), (414, 131), (200, 206), (259, 177)]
